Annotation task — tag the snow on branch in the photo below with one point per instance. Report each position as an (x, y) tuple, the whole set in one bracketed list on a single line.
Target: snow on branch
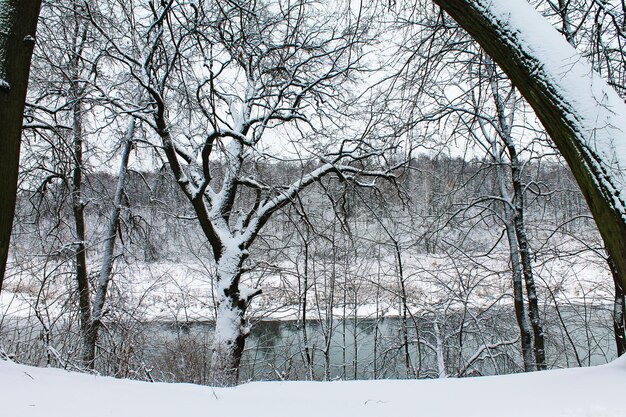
[(288, 194), (592, 109), (486, 347)]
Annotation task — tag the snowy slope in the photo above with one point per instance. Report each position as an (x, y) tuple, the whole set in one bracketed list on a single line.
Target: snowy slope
[(584, 392)]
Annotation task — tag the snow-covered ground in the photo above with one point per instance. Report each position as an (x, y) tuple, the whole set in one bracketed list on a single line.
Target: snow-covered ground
[(584, 392)]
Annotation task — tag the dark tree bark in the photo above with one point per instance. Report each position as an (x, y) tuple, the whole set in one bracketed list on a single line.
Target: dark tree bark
[(526, 339), (564, 123), (78, 209), (18, 24), (511, 223), (619, 312), (77, 89), (525, 256)]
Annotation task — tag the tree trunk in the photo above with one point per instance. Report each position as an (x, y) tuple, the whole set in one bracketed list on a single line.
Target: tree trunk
[(515, 258), (18, 24), (76, 100), (518, 297), (522, 55), (619, 310), (230, 325), (304, 292), (525, 256), (440, 350), (91, 337), (78, 207), (515, 219), (404, 309)]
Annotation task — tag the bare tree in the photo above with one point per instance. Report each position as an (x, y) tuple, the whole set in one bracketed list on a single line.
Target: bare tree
[(514, 207), (62, 110), (246, 73)]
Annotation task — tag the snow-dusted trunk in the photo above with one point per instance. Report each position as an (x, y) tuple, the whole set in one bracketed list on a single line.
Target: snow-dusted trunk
[(516, 269), (91, 337), (304, 291), (518, 296), (440, 351), (583, 115), (229, 252), (515, 219), (231, 328), (76, 92), (18, 23), (525, 256)]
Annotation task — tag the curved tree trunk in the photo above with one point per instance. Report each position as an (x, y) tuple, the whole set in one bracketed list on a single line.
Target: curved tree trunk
[(18, 24), (583, 115)]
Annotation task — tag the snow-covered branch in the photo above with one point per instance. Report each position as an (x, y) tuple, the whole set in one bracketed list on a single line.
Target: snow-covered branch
[(477, 355), (584, 116)]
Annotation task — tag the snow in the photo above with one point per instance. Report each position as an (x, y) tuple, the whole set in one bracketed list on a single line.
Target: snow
[(582, 392), (596, 111), (16, 304), (227, 325), (181, 289)]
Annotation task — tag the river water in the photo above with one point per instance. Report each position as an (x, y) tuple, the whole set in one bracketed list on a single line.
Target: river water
[(370, 348)]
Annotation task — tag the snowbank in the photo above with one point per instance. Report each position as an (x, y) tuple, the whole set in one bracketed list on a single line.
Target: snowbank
[(584, 392)]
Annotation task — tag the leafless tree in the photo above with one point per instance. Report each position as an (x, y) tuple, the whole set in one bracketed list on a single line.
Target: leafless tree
[(245, 74)]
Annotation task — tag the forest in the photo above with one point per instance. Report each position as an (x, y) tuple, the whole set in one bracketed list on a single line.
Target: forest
[(226, 191)]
